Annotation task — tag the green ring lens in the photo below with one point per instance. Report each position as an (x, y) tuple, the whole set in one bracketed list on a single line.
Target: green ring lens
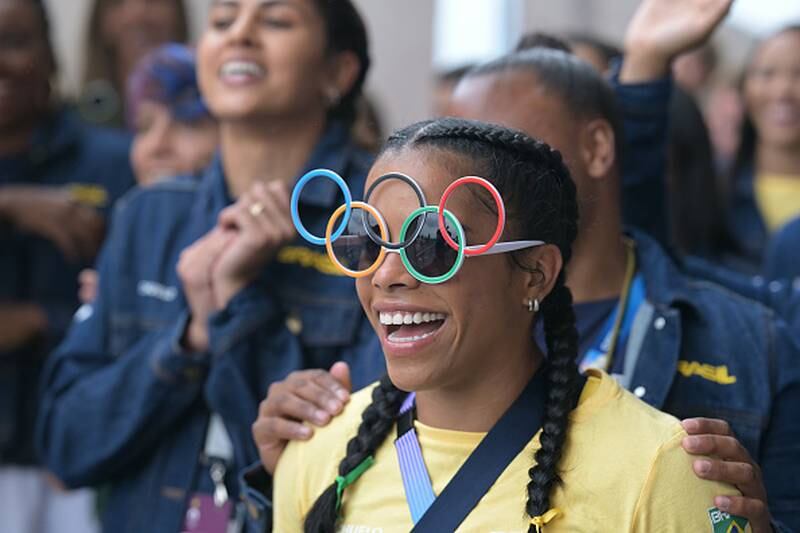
[(433, 280)]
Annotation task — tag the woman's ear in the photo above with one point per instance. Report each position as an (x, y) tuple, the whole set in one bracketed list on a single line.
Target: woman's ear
[(541, 279), (345, 68)]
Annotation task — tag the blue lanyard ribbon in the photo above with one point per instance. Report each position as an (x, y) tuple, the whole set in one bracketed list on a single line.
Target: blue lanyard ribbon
[(613, 338), (509, 436)]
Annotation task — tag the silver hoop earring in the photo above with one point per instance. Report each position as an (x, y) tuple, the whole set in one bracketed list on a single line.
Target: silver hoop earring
[(533, 305)]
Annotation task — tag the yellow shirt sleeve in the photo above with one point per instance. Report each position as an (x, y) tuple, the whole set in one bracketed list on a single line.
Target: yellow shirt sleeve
[(674, 499), (288, 492)]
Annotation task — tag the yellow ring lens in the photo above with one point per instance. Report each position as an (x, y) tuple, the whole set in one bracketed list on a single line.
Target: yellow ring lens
[(329, 243)]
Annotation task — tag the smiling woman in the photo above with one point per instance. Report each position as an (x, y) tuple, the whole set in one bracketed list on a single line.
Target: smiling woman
[(766, 173), (469, 387), (181, 378)]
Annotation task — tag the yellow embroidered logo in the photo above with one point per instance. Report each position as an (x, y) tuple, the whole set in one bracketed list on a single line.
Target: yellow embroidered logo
[(299, 255), (88, 194), (717, 374)]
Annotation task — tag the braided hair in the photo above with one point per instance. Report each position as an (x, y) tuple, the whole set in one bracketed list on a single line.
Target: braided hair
[(541, 203)]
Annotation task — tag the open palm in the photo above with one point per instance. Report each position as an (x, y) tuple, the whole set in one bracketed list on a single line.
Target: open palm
[(675, 26)]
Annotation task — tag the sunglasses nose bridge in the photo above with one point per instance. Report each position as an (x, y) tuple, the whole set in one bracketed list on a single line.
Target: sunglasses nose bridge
[(392, 273)]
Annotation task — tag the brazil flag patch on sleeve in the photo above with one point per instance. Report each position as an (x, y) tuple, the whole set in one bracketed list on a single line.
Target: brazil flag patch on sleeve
[(722, 522)]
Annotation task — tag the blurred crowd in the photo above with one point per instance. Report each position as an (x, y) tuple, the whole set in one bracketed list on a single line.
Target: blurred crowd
[(148, 309)]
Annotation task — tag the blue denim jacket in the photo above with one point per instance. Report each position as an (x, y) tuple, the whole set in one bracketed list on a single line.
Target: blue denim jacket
[(125, 405), (782, 259), (706, 351), (745, 223), (94, 164)]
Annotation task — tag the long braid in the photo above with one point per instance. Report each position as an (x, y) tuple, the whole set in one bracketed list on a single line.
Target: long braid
[(377, 421), (563, 391)]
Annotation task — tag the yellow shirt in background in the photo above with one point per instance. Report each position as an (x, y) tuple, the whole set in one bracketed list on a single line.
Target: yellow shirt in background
[(778, 199), (623, 469)]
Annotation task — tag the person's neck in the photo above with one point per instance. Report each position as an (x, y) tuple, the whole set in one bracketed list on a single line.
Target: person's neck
[(778, 160), (276, 151), (599, 262), (477, 405)]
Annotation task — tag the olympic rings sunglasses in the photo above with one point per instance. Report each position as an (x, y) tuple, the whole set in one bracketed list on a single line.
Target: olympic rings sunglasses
[(432, 244)]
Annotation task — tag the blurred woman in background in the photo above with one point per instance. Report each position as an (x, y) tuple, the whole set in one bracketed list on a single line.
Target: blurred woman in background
[(121, 32), (175, 133), (58, 180), (206, 295), (766, 172)]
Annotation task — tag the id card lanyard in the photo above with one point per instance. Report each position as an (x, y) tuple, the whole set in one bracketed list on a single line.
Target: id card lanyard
[(509, 436), (618, 327)]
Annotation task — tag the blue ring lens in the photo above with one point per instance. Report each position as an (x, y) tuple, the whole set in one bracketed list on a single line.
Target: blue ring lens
[(348, 200)]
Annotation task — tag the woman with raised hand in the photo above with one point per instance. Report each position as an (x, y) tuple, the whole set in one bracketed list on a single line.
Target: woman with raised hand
[(765, 191), (205, 295), (495, 436)]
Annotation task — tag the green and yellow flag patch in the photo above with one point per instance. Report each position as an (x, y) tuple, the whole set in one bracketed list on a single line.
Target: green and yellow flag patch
[(722, 522)]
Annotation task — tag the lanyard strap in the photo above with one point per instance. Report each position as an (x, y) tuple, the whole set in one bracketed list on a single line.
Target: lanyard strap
[(618, 326), (499, 447)]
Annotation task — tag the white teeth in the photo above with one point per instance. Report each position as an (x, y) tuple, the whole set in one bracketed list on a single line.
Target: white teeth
[(399, 318), (242, 68)]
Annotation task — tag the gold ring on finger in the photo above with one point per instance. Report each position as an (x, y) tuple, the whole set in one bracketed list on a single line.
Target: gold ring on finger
[(256, 209)]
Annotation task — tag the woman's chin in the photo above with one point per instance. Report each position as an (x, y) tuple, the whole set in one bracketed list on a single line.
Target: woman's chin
[(409, 376)]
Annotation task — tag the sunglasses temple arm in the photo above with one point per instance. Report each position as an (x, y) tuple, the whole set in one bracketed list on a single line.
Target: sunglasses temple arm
[(505, 247)]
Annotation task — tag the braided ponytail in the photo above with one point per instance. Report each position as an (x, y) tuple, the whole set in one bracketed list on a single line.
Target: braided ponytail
[(562, 395), (377, 421)]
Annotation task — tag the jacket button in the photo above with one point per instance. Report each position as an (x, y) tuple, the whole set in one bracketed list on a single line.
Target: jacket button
[(775, 286), (639, 391), (659, 323)]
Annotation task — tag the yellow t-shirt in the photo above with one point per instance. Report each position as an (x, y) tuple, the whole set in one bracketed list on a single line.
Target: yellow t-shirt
[(778, 199), (623, 469)]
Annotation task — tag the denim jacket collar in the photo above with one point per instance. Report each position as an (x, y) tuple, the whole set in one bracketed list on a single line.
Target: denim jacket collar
[(665, 285)]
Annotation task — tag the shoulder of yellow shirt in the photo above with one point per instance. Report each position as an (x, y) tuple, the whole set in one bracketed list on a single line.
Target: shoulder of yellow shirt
[(625, 434), (611, 412)]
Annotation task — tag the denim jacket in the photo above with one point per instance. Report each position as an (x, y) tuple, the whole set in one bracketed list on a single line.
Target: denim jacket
[(782, 259), (706, 351), (124, 404), (745, 223), (93, 164)]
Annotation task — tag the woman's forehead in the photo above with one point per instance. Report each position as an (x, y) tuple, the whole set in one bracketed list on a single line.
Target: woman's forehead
[(433, 170)]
